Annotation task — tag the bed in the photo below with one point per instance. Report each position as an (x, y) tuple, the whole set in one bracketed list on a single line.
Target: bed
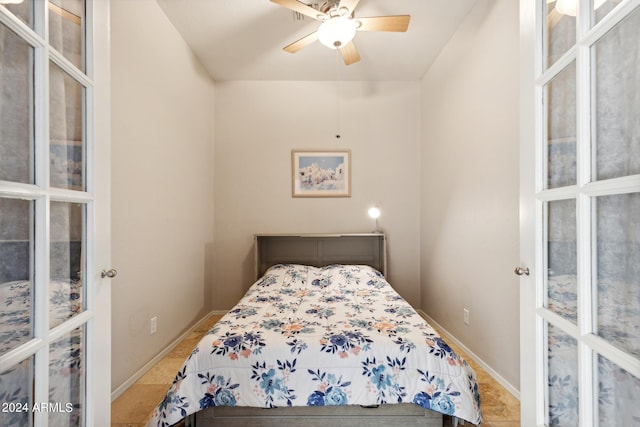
[(321, 336)]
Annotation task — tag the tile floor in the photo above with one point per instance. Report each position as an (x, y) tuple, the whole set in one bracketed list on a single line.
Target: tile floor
[(133, 407)]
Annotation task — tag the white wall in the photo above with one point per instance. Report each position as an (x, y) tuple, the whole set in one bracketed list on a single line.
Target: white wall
[(162, 205), (469, 186), (257, 126)]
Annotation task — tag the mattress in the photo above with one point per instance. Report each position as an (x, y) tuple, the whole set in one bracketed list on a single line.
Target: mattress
[(308, 336)]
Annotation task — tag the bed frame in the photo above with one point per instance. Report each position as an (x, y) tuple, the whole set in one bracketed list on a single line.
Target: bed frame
[(319, 250), (402, 415)]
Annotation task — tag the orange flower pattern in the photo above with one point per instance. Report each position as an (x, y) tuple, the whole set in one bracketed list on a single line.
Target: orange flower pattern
[(336, 335)]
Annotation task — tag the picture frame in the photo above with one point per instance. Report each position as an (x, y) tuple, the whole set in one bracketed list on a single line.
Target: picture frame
[(321, 173)]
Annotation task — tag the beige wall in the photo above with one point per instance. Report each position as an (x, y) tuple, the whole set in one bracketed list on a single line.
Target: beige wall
[(162, 206), (469, 186), (257, 126), (439, 157)]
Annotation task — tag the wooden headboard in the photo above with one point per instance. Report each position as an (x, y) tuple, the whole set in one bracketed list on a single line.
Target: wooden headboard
[(320, 249)]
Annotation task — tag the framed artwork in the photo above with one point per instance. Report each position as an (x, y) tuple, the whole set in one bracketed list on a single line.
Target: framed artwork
[(321, 173)]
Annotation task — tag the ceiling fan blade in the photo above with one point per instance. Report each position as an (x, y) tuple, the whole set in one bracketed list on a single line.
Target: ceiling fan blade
[(349, 53), (302, 8), (349, 4), (398, 23), (303, 42)]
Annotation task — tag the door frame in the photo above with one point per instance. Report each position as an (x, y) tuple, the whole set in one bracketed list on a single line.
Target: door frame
[(528, 389), (99, 344)]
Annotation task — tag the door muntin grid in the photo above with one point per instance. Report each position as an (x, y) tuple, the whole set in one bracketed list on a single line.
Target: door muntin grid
[(598, 299), (46, 210)]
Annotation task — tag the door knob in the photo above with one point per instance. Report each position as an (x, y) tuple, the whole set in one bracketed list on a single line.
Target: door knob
[(521, 270), (111, 273)]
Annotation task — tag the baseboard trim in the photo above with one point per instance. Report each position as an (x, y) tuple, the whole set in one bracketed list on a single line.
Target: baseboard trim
[(217, 312), (158, 357), (496, 376)]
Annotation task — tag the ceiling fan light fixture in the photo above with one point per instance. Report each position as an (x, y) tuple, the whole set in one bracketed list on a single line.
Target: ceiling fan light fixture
[(336, 32)]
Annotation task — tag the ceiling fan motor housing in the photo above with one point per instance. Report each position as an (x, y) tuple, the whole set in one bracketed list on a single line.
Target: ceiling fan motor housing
[(330, 7), (338, 25)]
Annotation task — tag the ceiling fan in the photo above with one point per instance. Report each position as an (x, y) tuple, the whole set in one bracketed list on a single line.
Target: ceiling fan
[(339, 25)]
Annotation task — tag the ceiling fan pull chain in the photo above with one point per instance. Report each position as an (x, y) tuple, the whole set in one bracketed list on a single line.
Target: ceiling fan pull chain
[(337, 94)]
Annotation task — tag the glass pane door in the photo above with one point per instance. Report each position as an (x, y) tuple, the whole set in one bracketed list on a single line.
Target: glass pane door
[(587, 179), (45, 220)]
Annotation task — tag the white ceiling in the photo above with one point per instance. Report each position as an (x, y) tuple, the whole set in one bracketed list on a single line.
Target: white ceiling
[(243, 39)]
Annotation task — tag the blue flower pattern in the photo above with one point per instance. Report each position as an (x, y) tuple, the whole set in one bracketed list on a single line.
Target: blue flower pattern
[(305, 336), (437, 396), (219, 391), (272, 381), (331, 390), (384, 377)]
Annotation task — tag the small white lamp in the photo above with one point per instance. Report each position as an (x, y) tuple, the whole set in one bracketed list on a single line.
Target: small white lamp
[(375, 214)]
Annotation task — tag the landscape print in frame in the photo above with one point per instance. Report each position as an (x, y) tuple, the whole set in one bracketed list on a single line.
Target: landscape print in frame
[(321, 173)]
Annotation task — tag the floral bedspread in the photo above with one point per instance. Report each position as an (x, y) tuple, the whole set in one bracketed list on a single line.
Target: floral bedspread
[(306, 336)]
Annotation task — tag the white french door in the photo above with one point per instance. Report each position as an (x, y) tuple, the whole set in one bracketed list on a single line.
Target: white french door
[(54, 213), (580, 212)]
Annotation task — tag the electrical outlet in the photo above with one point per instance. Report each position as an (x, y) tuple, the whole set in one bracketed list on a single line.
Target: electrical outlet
[(154, 325), (466, 317)]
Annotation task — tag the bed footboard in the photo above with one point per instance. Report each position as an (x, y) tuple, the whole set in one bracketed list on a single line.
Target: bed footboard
[(401, 415)]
